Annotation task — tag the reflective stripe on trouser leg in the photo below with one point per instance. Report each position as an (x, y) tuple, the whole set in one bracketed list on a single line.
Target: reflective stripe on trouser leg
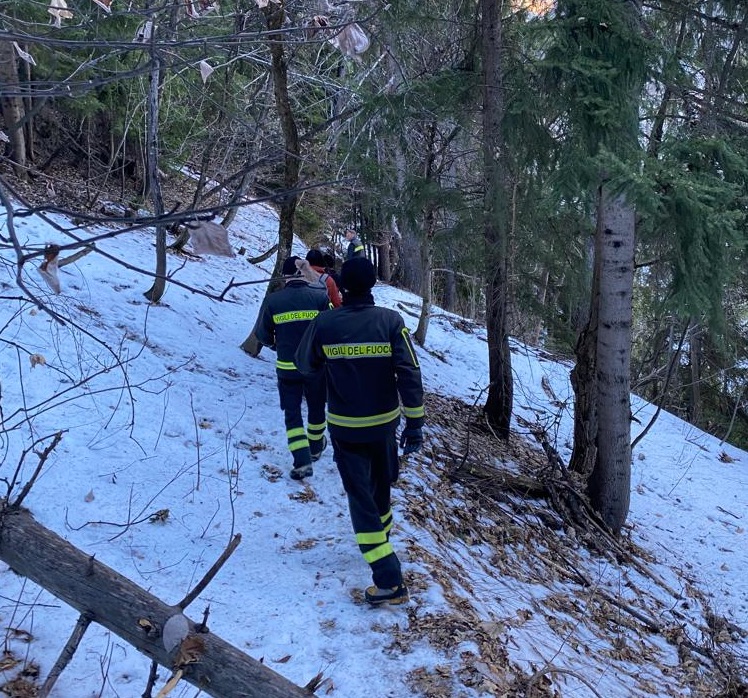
[(315, 393), (291, 391), (315, 432), (366, 471), (386, 520)]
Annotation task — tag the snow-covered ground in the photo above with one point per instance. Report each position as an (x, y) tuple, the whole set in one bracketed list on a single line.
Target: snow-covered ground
[(162, 412)]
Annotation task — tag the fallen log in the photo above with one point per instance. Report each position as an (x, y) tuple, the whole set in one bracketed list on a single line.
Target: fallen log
[(133, 614)]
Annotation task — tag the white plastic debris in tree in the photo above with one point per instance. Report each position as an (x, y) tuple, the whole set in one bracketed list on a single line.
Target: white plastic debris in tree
[(351, 41), (265, 3), (210, 238), (4, 137), (59, 11), (200, 8), (175, 630), (144, 33), (23, 54), (205, 71)]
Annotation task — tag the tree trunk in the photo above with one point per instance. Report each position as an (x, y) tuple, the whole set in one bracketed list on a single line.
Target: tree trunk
[(427, 265), (12, 107), (385, 265), (395, 247), (153, 184), (601, 379), (542, 294), (695, 339), (274, 16), (500, 392), (29, 112), (427, 247), (251, 344), (584, 379), (119, 605), (610, 482), (449, 297)]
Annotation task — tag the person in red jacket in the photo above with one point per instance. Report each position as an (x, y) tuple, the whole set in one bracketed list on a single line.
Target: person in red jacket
[(371, 367), (317, 262)]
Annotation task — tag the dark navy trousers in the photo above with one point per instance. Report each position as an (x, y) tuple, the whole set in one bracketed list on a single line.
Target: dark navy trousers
[(368, 470)]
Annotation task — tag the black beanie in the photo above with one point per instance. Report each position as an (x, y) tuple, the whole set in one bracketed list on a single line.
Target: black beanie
[(315, 258), (289, 266), (358, 275)]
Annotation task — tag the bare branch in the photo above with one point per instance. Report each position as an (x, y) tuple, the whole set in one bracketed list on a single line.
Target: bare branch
[(212, 572), (84, 620), (42, 460)]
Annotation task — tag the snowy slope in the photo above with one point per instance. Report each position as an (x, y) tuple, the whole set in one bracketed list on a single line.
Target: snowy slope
[(161, 411)]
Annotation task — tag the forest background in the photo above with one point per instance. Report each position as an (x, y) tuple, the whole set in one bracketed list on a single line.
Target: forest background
[(571, 174)]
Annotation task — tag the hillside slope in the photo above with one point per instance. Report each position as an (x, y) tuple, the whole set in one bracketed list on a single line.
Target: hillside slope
[(162, 412)]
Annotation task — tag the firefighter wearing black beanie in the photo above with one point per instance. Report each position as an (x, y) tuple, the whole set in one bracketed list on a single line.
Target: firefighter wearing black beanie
[(370, 364)]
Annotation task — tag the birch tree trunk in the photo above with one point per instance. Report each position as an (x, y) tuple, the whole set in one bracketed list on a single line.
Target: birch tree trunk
[(610, 482), (601, 378)]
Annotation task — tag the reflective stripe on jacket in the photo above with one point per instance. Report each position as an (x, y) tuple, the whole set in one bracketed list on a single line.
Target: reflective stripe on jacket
[(284, 317), (370, 361), (355, 249)]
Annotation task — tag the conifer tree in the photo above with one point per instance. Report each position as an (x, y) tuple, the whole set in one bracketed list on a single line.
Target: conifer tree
[(603, 74)]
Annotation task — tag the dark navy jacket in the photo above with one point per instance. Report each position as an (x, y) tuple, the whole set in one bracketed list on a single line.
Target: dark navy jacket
[(284, 317), (369, 361)]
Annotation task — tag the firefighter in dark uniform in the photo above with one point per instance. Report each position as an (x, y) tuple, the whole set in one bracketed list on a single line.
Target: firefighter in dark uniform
[(283, 318), (366, 353), (355, 246)]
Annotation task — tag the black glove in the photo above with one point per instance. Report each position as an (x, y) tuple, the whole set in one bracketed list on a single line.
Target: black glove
[(411, 440)]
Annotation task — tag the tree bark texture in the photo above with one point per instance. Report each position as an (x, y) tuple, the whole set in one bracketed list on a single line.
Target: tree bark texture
[(274, 16), (427, 246), (695, 353), (28, 117), (384, 267), (449, 294), (153, 183), (12, 107), (118, 604), (500, 392), (601, 380), (427, 266), (584, 379), (610, 482), (584, 383)]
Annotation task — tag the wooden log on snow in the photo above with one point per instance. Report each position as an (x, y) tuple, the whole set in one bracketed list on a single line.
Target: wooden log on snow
[(136, 616)]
